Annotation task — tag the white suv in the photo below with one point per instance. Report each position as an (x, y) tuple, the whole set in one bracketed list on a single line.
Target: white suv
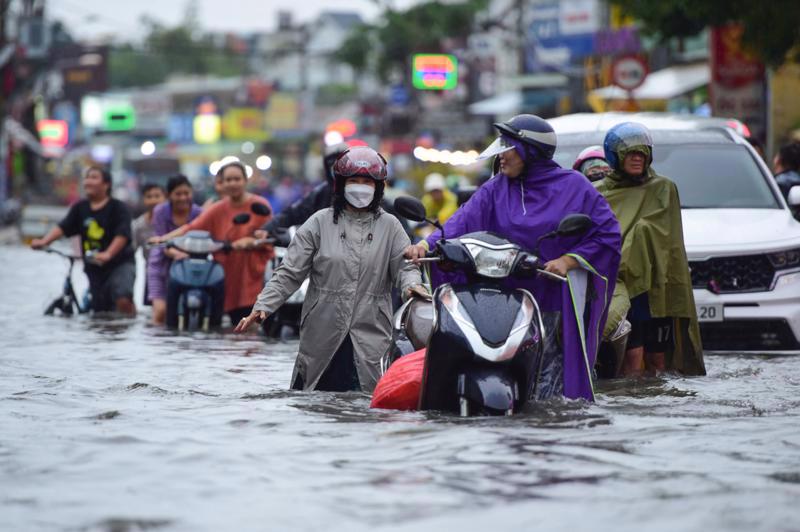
[(741, 239)]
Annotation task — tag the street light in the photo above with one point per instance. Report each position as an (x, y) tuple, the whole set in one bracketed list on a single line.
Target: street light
[(264, 162), (148, 148)]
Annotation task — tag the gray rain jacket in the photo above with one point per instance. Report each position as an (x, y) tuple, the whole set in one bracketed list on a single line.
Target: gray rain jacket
[(352, 267)]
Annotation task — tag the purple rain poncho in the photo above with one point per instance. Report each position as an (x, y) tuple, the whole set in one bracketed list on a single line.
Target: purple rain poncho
[(551, 193)]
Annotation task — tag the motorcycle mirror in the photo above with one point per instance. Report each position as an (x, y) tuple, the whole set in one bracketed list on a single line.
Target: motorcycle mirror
[(574, 225), (410, 208), (241, 218), (259, 209)]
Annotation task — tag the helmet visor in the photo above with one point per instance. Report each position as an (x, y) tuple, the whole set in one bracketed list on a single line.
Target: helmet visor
[(627, 138), (497, 147), (364, 162)]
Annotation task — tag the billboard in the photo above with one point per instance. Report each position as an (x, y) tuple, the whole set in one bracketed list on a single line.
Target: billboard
[(434, 71)]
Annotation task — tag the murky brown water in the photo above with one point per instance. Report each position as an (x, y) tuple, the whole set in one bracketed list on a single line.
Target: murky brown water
[(112, 425)]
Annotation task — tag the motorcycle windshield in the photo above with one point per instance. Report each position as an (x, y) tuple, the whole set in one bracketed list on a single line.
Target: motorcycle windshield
[(497, 147)]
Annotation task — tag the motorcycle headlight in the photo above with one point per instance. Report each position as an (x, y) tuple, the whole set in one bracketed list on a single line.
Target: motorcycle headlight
[(197, 244), (493, 262), (785, 259)]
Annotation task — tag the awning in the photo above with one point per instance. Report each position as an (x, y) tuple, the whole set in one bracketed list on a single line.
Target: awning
[(505, 103), (663, 84)]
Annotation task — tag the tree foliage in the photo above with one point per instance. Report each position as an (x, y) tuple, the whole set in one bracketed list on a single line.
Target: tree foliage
[(422, 28), (182, 49), (772, 27)]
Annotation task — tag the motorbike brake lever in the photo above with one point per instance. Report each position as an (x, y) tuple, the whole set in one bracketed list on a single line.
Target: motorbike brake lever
[(554, 276), (424, 259)]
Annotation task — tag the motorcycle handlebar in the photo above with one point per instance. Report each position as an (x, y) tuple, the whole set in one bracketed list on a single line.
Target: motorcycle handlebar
[(61, 253)]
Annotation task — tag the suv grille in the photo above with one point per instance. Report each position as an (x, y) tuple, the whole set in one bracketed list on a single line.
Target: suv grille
[(748, 335), (723, 275)]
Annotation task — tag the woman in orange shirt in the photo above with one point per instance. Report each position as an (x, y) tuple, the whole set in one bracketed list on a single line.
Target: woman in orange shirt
[(244, 265)]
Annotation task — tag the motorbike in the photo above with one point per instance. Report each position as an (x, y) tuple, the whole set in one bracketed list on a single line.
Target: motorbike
[(489, 350), (196, 285), (67, 303)]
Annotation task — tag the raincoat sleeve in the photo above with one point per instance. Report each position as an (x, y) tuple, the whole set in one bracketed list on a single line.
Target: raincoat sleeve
[(599, 251), (470, 217), (293, 270), (404, 275)]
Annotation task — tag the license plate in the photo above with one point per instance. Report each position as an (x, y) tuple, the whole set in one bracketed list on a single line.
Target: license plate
[(710, 312)]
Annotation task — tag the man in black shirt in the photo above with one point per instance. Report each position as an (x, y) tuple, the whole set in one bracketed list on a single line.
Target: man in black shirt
[(104, 225)]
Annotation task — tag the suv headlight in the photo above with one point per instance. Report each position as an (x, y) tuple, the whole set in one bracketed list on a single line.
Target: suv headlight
[(785, 259), (493, 262)]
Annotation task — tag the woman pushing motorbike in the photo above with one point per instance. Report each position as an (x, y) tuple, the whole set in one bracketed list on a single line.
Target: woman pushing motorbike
[(352, 253), (526, 200)]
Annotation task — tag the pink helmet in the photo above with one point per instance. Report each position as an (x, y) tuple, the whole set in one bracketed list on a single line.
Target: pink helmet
[(592, 152)]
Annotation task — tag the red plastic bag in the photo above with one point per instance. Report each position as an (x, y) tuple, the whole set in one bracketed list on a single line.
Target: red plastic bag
[(400, 386)]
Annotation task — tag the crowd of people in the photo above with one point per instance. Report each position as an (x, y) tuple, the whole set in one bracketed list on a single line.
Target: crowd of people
[(355, 250)]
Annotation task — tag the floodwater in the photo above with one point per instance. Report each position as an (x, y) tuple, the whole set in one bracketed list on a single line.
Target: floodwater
[(113, 425)]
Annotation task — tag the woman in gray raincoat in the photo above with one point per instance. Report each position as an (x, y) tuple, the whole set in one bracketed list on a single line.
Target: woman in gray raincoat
[(352, 253)]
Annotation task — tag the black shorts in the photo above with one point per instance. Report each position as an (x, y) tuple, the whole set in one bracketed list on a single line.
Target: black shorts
[(655, 334), (117, 284)]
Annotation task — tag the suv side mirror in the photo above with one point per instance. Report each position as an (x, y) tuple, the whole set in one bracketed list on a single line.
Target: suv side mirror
[(793, 199), (574, 225)]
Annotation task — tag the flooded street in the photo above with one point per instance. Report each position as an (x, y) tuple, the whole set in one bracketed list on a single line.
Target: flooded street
[(113, 425)]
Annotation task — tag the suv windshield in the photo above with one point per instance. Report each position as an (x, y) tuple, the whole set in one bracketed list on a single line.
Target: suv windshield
[(710, 176)]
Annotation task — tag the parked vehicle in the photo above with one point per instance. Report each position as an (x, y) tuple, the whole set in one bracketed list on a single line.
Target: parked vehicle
[(742, 242)]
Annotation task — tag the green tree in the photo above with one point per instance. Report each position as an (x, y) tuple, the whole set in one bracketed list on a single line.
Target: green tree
[(422, 28), (772, 28), (182, 49)]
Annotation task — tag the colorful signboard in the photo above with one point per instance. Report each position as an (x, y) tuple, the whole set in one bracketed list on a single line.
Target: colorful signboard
[(434, 71), (119, 117), (244, 123), (283, 113), (53, 133)]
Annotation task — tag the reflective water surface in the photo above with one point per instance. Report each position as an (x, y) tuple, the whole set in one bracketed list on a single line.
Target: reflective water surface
[(113, 425)]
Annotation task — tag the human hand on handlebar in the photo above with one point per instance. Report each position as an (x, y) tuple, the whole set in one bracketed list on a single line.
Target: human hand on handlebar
[(561, 265), (100, 258), (246, 242), (415, 252), (257, 316), (176, 254), (39, 243), (418, 291)]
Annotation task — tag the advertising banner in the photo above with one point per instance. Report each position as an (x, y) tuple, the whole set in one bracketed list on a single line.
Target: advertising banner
[(738, 86)]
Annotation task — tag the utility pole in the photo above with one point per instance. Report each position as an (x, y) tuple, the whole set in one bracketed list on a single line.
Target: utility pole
[(521, 36)]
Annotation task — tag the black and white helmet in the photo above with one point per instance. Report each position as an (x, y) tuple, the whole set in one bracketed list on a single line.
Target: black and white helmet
[(529, 129)]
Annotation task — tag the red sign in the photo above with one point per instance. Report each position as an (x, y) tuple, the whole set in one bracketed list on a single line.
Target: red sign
[(629, 72), (732, 66), (347, 128), (53, 133), (738, 85)]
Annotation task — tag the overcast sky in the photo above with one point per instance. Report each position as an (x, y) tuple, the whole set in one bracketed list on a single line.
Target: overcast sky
[(95, 18)]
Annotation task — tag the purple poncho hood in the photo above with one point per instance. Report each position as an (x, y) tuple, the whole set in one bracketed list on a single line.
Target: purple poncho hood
[(521, 210)]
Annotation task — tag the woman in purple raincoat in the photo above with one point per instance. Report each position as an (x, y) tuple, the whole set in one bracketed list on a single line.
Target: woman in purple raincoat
[(527, 199)]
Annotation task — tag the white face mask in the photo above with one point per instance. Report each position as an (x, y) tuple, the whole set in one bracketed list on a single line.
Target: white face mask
[(359, 196)]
